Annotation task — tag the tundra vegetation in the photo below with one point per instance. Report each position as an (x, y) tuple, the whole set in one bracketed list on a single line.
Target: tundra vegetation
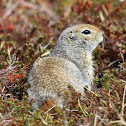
[(29, 29)]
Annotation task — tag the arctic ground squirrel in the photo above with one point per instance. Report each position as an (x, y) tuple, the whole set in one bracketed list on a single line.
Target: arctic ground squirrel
[(70, 63)]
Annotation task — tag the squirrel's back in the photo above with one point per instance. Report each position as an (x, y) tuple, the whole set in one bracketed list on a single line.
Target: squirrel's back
[(50, 77)]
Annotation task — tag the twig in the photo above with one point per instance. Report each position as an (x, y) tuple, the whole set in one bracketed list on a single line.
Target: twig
[(65, 119), (94, 94), (12, 110), (120, 116), (102, 120), (5, 122), (95, 121), (1, 91), (114, 62), (1, 117), (121, 121), (43, 121), (110, 42), (48, 43), (105, 10), (50, 109), (9, 68), (121, 55), (81, 107), (10, 10), (24, 19), (123, 102), (42, 48), (101, 16), (42, 8)]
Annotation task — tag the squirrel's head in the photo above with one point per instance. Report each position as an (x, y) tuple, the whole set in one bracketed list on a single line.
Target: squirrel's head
[(82, 36)]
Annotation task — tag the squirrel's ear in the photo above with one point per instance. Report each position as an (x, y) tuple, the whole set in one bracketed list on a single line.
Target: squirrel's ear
[(71, 35)]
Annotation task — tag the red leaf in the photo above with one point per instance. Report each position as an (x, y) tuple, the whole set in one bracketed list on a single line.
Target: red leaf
[(117, 9), (11, 27)]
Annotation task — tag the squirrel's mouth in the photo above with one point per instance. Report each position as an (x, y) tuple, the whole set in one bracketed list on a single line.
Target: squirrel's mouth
[(92, 48)]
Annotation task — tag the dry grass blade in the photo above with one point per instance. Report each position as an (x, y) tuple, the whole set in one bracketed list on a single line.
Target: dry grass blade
[(81, 108), (1, 117), (110, 64), (42, 8), (121, 121), (5, 122), (65, 119), (9, 11), (50, 109), (101, 16), (9, 68), (105, 10), (42, 48), (104, 121), (94, 94), (123, 102), (121, 55), (48, 43), (45, 123), (95, 120), (110, 42), (120, 115)]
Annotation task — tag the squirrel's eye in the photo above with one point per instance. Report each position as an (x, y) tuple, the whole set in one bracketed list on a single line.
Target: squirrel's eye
[(86, 32)]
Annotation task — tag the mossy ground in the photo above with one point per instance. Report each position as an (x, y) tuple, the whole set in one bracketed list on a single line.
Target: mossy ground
[(29, 29)]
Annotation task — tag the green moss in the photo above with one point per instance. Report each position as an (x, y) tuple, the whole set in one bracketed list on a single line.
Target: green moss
[(108, 79)]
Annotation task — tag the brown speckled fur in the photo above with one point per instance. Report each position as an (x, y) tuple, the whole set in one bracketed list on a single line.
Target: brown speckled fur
[(70, 63)]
